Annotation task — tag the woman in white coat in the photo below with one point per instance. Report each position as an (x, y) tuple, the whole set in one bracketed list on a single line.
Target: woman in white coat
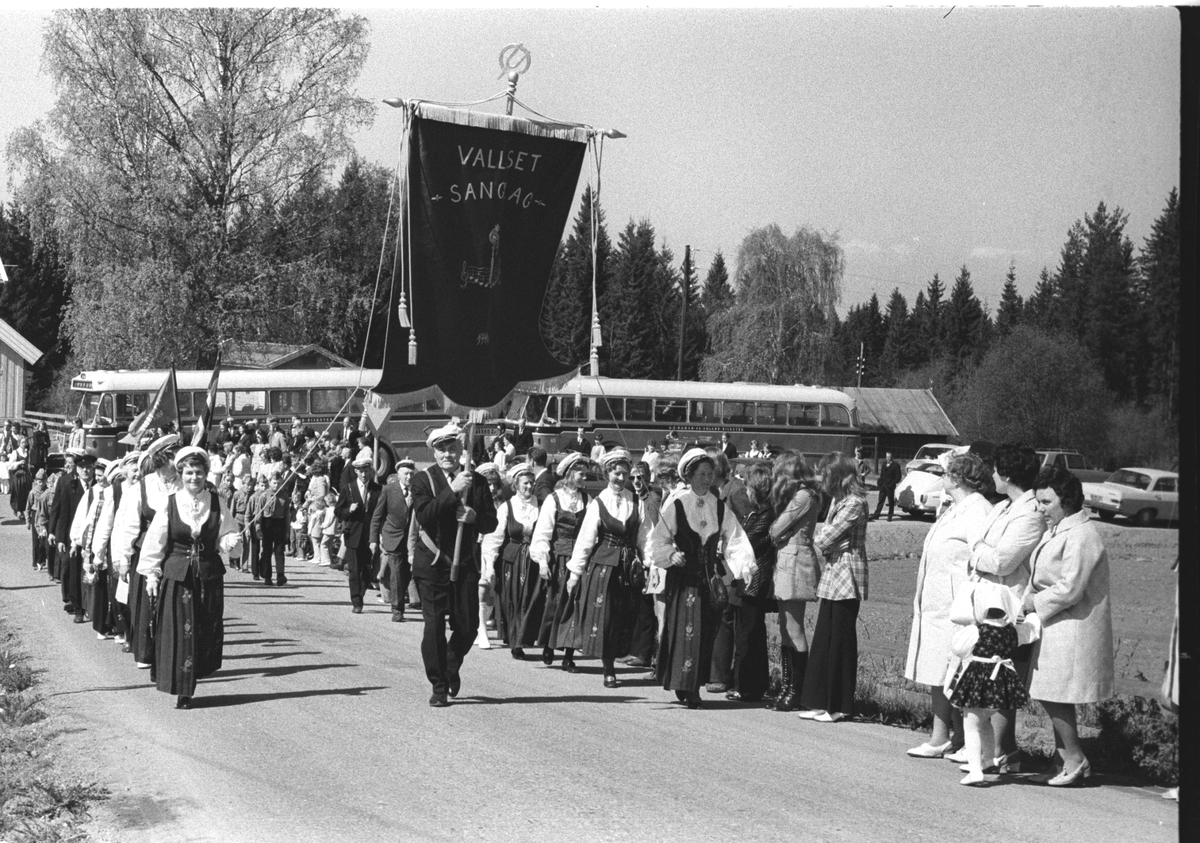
[(942, 572), (1000, 554), (1068, 591)]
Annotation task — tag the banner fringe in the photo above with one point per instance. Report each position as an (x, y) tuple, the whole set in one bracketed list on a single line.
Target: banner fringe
[(504, 123)]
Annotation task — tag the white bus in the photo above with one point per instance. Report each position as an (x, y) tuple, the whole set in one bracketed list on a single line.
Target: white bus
[(110, 400), (810, 419)]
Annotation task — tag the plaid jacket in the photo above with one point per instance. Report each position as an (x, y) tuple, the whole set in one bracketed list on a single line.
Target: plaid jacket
[(845, 574)]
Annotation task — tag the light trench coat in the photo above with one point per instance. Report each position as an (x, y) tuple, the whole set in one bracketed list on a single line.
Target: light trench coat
[(942, 571), (1073, 660)]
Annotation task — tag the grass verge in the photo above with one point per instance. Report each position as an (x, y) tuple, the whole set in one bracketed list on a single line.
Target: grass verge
[(36, 803)]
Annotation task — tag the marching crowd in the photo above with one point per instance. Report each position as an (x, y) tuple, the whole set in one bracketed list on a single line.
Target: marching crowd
[(676, 565)]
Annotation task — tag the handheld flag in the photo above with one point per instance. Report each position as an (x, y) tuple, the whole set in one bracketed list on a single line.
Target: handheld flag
[(164, 409), (204, 423)]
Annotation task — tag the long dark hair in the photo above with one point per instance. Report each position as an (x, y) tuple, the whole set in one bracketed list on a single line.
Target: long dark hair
[(791, 474)]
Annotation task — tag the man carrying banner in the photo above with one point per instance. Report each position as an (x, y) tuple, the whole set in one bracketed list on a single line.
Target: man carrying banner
[(453, 507)]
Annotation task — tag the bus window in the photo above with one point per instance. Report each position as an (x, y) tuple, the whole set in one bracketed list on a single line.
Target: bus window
[(327, 402), (87, 407), (572, 413), (736, 412), (536, 405), (104, 410), (130, 404), (705, 411), (771, 414), (835, 416), (221, 410), (638, 409), (671, 412), (356, 404), (803, 415), (252, 402), (608, 409), (285, 402)]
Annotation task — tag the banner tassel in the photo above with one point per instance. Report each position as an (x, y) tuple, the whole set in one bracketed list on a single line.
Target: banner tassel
[(403, 312), (412, 348)]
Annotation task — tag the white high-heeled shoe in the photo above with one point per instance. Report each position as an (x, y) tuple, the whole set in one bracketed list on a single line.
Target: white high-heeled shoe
[(928, 750)]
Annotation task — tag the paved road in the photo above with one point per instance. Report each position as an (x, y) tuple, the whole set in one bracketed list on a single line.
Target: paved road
[(317, 729)]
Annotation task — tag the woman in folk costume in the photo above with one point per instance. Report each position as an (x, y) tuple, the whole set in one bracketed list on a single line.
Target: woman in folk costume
[(121, 477), (940, 575), (554, 536), (507, 548), (702, 546), (606, 573), (147, 492), (181, 561), (83, 529)]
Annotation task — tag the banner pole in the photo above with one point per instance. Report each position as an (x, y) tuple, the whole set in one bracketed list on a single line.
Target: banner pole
[(513, 77)]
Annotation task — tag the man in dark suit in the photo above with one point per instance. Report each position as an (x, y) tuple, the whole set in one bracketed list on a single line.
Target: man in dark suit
[(389, 531), (447, 498), (523, 439), (356, 503), (727, 447), (543, 478), (889, 479), (579, 444)]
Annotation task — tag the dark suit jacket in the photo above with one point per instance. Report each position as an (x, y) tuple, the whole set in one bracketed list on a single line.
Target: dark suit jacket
[(436, 507), (584, 447), (67, 495), (523, 441), (730, 450), (889, 475), (389, 521), (355, 521), (543, 485)]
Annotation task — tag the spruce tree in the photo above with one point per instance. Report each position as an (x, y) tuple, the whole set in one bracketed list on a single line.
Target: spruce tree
[(965, 324), (718, 295), (567, 311), (1011, 305), (897, 346), (1159, 269)]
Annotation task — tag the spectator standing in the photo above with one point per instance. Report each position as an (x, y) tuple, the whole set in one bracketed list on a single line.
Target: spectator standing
[(889, 479)]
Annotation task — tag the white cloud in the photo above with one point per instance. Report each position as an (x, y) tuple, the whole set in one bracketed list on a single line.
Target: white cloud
[(860, 246)]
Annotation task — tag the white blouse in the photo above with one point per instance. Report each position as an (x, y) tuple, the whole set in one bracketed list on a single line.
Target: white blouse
[(523, 511), (543, 533), (194, 511), (620, 506), (701, 515), (127, 525)]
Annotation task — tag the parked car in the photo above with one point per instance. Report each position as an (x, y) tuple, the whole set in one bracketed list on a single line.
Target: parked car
[(920, 491), (927, 455), (1144, 495), (1074, 462)]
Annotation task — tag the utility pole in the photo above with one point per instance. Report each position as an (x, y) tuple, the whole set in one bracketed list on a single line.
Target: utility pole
[(687, 291), (861, 363)]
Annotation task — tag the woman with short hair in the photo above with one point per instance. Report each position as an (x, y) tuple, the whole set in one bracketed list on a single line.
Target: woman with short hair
[(1000, 553), (703, 548), (506, 561), (1072, 662), (181, 561), (829, 680), (941, 573)]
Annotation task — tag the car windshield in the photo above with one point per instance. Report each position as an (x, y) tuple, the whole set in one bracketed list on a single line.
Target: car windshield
[(932, 468), (929, 452), (1124, 477)]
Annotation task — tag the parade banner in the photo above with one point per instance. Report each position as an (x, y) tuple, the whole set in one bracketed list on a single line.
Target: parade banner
[(488, 199)]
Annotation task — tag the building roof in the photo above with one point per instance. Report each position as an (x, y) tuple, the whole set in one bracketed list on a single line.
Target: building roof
[(10, 337), (272, 355), (902, 411)]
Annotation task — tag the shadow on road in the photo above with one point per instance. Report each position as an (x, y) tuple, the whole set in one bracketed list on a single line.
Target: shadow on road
[(282, 670), (569, 698), (226, 700)]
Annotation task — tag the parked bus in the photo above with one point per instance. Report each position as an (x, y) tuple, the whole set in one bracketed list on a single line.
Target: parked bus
[(110, 400), (810, 419)]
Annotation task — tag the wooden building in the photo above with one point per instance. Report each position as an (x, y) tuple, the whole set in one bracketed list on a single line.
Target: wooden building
[(16, 355), (900, 420), (279, 355)]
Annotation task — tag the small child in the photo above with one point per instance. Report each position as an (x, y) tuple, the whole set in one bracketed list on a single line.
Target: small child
[(316, 529), (31, 519), (329, 530), (986, 680)]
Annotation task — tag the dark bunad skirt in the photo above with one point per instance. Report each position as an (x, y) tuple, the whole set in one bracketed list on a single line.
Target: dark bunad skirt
[(690, 620), (20, 482), (101, 600), (189, 633), (140, 618), (521, 584), (603, 609), (556, 615)]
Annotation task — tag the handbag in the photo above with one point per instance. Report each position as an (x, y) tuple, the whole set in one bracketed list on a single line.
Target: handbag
[(718, 592)]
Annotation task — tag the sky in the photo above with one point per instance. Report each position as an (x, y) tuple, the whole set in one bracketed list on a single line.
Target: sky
[(925, 139)]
